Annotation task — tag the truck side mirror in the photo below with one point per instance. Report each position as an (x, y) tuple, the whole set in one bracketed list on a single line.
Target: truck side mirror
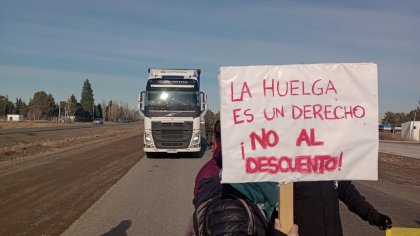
[(141, 101), (203, 101)]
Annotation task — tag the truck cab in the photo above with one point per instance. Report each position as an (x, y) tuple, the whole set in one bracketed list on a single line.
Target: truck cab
[(172, 105)]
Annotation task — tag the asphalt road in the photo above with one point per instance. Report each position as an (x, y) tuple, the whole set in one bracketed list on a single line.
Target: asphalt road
[(408, 149), (153, 198)]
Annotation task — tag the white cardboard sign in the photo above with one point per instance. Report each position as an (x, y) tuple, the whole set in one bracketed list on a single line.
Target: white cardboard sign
[(306, 122)]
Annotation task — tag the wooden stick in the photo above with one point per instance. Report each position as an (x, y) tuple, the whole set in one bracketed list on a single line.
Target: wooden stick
[(286, 207)]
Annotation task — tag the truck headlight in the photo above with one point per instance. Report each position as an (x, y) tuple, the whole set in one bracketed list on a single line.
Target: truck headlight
[(148, 138), (196, 138)]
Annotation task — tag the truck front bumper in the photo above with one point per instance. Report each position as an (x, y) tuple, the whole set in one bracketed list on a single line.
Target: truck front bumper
[(171, 150)]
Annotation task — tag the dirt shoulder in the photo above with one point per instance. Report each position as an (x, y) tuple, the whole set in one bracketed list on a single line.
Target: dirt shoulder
[(44, 193), (18, 145)]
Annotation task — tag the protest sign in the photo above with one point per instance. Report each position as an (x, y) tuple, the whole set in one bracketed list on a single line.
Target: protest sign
[(291, 123)]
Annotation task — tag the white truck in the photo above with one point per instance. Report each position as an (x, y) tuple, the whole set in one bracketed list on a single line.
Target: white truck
[(173, 106)]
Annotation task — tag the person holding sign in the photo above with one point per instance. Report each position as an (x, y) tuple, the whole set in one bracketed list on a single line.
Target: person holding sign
[(316, 207), (297, 123), (223, 210)]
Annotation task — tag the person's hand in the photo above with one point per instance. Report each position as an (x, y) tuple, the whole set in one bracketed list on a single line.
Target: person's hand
[(384, 222), (380, 220), (293, 231)]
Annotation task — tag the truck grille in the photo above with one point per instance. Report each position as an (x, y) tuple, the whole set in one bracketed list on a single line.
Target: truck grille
[(172, 135)]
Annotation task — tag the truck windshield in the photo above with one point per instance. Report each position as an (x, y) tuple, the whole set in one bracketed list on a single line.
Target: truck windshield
[(172, 98)]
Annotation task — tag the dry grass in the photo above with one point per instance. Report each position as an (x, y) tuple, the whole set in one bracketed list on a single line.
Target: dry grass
[(391, 136), (31, 124)]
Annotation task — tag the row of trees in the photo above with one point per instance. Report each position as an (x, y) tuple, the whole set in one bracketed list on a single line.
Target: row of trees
[(8, 107), (115, 112), (42, 106), (397, 119), (211, 117)]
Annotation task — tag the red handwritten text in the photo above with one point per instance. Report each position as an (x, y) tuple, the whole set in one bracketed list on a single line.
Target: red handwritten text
[(264, 139), (274, 113), (308, 139), (297, 87), (318, 164), (237, 119), (245, 90), (327, 112)]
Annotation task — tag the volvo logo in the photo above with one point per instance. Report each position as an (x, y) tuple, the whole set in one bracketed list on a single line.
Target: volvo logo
[(172, 114)]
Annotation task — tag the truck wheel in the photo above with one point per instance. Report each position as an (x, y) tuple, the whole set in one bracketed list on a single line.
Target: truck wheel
[(195, 154)]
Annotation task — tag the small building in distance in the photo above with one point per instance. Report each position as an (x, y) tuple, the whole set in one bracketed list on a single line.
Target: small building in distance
[(411, 130), (14, 117), (385, 127)]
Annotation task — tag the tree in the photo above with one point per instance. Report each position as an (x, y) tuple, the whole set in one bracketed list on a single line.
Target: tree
[(53, 107), (417, 113), (389, 118), (397, 119), (20, 107), (72, 105), (87, 100), (108, 111), (98, 112), (209, 117), (217, 116), (114, 112), (63, 108), (41, 106), (6, 106)]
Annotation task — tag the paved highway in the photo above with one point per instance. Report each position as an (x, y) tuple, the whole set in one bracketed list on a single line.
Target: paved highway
[(153, 198), (408, 149)]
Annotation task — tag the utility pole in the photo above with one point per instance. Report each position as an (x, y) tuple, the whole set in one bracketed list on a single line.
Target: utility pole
[(414, 125), (67, 110), (59, 112)]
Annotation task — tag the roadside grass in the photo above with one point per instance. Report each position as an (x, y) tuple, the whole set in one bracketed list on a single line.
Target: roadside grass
[(391, 136), (31, 124)]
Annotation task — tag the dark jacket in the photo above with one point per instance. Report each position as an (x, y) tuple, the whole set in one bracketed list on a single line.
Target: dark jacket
[(316, 206), (214, 165), (220, 209)]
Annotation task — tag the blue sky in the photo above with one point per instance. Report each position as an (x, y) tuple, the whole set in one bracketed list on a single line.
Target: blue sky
[(55, 45)]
